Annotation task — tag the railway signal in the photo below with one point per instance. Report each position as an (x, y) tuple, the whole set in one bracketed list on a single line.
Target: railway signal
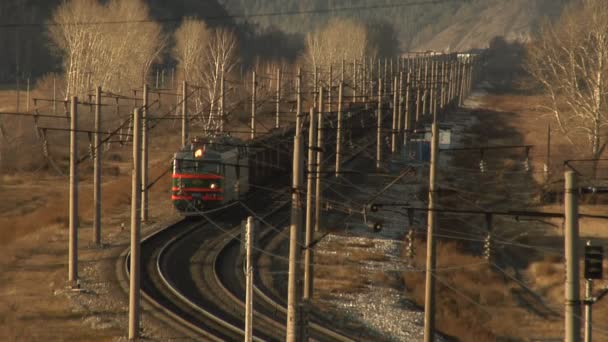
[(594, 256)]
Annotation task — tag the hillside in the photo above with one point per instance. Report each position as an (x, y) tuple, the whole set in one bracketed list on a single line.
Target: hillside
[(454, 25)]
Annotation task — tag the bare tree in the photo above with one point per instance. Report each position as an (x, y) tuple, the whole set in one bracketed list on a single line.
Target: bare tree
[(205, 56), (570, 60), (221, 58), (339, 39), (111, 44)]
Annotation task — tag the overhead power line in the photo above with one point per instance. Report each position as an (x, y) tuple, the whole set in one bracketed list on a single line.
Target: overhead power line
[(241, 15)]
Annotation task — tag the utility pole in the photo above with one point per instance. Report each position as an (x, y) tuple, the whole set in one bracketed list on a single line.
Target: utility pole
[(429, 299), (97, 170), (573, 309), (292, 329), (354, 81), (547, 166), (314, 86), (144, 156), (318, 189), (408, 120), (394, 131), (379, 129), (135, 229), (329, 90), (184, 114), (310, 188), (54, 93), (588, 308), (298, 96), (249, 282), (339, 130), (73, 215), (222, 102), (400, 104), (253, 94), (277, 123), (418, 94)]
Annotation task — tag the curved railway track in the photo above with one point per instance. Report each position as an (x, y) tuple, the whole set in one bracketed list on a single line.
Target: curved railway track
[(192, 274)]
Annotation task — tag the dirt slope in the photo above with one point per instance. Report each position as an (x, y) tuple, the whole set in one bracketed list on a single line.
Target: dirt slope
[(475, 26)]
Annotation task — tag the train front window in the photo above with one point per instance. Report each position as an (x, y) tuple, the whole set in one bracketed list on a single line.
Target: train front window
[(189, 166)]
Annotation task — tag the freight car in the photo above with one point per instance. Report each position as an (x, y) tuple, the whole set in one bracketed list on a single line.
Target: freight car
[(215, 170)]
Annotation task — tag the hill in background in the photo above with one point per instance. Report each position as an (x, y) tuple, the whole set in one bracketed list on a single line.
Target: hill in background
[(453, 25)]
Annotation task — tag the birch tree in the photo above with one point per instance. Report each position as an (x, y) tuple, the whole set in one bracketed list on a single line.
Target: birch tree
[(112, 45), (205, 56), (339, 39), (570, 59)]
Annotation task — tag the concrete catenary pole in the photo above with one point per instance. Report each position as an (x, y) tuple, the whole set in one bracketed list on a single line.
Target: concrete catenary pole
[(310, 188), (379, 128), (254, 86), (293, 330), (588, 311), (73, 206), (572, 295), (97, 170), (400, 106), (184, 113), (222, 102), (395, 114), (429, 299), (339, 130), (318, 175), (134, 281), (277, 123), (408, 119), (299, 97), (144, 155), (249, 281)]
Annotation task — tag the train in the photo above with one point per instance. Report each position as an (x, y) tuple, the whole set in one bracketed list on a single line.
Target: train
[(213, 171)]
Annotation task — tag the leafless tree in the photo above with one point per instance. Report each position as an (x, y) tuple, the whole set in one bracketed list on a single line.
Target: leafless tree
[(205, 56), (221, 58), (112, 45), (339, 39), (570, 60)]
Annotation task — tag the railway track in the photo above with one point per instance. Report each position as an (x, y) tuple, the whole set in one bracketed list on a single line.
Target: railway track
[(191, 273)]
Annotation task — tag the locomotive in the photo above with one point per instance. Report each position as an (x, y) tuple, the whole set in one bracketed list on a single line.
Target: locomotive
[(215, 170)]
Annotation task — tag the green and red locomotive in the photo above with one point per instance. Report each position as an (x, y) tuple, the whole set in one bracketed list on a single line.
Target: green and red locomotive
[(207, 174), (213, 171)]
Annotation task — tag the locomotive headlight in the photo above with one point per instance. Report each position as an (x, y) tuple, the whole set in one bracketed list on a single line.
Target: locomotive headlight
[(199, 153), (213, 186)]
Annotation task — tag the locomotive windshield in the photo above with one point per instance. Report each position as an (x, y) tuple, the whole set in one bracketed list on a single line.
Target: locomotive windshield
[(189, 166)]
